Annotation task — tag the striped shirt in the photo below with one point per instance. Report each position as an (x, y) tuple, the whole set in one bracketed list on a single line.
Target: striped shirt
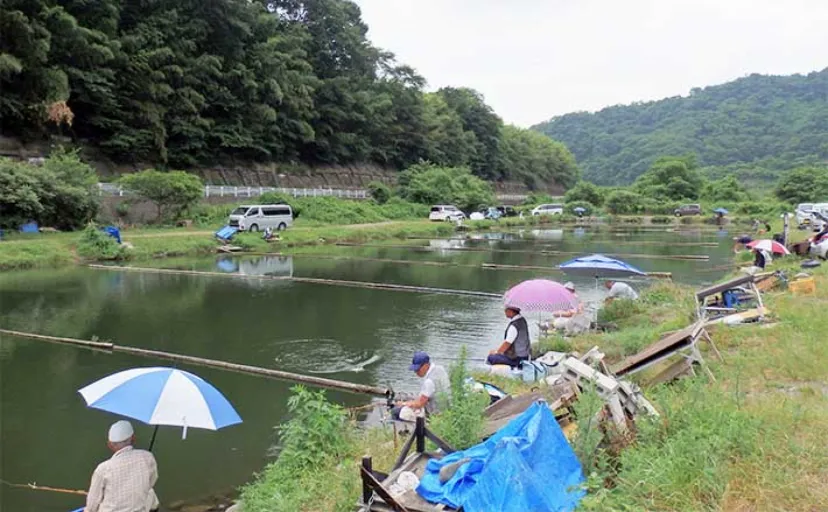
[(124, 483)]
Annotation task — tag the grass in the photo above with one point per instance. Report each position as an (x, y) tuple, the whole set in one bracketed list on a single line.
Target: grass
[(60, 249), (755, 439)]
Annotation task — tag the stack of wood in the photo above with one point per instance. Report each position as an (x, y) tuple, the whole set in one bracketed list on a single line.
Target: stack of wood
[(624, 400)]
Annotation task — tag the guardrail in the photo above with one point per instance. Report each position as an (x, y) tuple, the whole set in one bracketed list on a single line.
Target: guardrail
[(112, 189)]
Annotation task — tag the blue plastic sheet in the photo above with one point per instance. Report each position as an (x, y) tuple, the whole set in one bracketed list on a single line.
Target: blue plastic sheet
[(113, 232), (526, 465), (226, 233), (29, 227)]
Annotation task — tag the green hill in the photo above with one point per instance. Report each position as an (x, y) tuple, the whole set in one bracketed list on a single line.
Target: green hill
[(753, 127)]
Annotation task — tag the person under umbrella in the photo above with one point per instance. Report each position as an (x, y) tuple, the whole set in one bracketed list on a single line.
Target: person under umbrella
[(562, 318), (125, 481), (516, 344), (618, 290)]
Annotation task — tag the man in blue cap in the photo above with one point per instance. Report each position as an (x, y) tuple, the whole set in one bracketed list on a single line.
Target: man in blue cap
[(435, 383)]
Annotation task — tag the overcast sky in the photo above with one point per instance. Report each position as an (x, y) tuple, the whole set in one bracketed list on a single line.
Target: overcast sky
[(534, 59)]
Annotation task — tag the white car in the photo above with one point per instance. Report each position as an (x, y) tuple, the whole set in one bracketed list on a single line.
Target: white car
[(446, 212), (819, 216), (820, 250), (548, 209)]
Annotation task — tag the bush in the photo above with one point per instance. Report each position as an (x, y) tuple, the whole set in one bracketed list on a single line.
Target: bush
[(624, 202), (429, 184), (570, 207), (619, 310), (803, 185), (461, 425), (315, 439), (587, 192), (379, 191), (60, 193), (535, 198), (94, 244), (172, 192)]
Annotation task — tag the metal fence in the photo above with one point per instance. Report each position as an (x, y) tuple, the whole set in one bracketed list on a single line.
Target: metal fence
[(111, 189)]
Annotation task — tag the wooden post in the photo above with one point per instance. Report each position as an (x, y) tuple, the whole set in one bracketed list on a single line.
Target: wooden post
[(367, 492), (419, 431)]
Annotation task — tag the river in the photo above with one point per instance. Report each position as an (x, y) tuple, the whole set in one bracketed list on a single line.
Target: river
[(354, 334)]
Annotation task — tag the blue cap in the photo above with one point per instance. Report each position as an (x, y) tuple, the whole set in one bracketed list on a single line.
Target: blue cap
[(419, 359)]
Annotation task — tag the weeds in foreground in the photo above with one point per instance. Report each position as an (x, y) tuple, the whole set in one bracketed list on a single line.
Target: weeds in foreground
[(94, 244), (461, 425)]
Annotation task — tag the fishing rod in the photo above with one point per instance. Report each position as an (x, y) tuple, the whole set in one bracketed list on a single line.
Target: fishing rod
[(35, 487)]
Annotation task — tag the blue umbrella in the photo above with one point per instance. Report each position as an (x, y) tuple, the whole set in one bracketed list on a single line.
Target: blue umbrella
[(723, 211), (598, 265), (162, 396), (578, 209)]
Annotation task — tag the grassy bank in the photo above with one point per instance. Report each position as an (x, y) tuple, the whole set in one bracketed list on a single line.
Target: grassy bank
[(50, 250), (755, 439)]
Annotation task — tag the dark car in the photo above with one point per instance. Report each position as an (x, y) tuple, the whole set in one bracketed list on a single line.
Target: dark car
[(688, 209), (507, 211)]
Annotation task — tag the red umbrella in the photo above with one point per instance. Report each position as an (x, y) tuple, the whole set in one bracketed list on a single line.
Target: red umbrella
[(769, 246)]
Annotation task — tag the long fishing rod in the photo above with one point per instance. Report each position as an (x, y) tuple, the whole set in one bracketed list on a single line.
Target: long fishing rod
[(35, 487)]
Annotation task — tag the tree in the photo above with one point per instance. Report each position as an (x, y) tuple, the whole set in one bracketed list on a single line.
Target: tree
[(803, 185), (761, 125), (726, 189), (587, 192), (379, 191), (671, 178), (534, 159), (624, 202), (171, 192), (60, 193), (429, 184), (479, 119)]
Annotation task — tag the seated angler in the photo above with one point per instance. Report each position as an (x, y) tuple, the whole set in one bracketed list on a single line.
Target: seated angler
[(516, 343)]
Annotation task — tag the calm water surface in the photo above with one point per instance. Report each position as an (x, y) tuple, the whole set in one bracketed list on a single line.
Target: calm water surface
[(353, 334)]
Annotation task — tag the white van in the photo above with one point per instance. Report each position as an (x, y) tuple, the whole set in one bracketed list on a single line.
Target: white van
[(446, 212), (258, 217), (548, 209)]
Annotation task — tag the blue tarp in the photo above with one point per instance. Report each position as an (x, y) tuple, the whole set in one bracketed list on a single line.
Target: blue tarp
[(526, 465), (226, 233), (113, 232), (29, 227)]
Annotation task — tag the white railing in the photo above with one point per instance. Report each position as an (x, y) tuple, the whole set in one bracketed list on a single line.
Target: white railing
[(111, 189)]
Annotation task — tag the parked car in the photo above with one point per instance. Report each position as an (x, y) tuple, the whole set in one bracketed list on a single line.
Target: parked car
[(446, 212), (548, 209), (819, 216), (820, 250), (258, 217), (507, 211), (803, 214), (688, 209)]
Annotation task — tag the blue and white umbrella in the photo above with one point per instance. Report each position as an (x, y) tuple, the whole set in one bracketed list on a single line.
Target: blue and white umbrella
[(722, 211), (598, 265), (162, 396)]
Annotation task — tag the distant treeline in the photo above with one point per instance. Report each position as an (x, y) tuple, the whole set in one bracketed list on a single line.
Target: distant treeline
[(181, 83), (753, 128)]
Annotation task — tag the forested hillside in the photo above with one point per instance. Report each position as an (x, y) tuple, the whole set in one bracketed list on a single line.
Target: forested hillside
[(181, 83), (753, 127)]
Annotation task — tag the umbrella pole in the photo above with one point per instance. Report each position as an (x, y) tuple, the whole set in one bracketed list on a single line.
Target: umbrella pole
[(152, 441)]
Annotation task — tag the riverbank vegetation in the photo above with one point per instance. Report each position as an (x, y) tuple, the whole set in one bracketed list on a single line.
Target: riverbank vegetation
[(753, 439), (179, 84)]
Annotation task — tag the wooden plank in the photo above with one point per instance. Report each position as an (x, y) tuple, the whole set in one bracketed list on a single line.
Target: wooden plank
[(718, 288), (606, 385), (681, 367), (662, 348), (383, 493)]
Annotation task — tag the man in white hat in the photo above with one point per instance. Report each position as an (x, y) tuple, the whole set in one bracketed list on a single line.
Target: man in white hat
[(123, 483), (562, 318)]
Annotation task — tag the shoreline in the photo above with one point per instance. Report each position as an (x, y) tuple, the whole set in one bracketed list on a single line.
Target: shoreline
[(57, 250), (733, 443)]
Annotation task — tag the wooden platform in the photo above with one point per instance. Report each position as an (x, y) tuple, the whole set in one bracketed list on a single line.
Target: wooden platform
[(412, 501), (662, 349)]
